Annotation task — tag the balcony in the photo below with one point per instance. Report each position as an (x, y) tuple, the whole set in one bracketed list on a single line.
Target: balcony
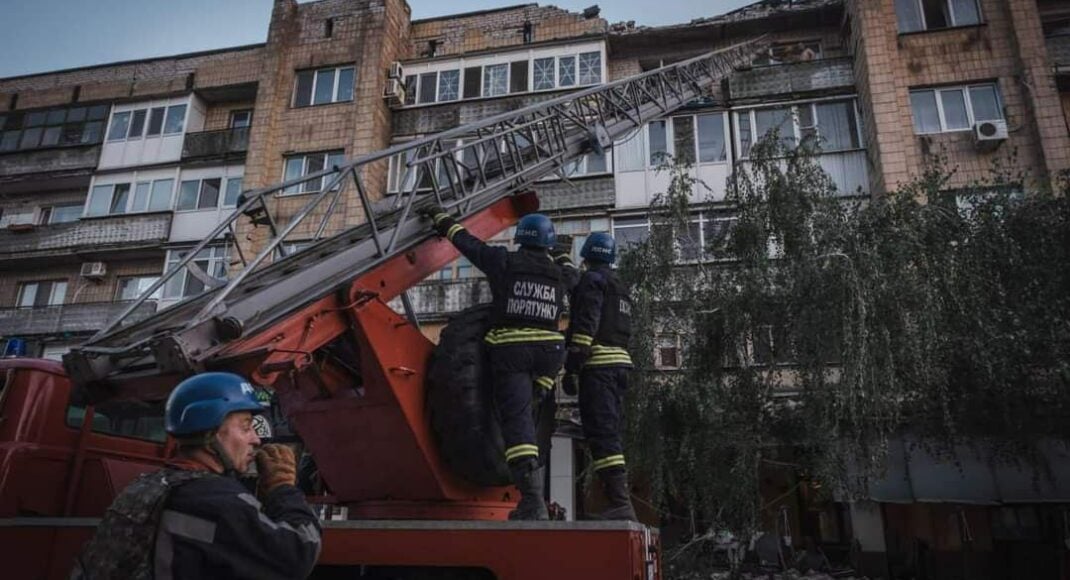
[(1059, 51), (825, 75), (90, 237), (223, 144), (440, 299), (67, 319), (53, 160)]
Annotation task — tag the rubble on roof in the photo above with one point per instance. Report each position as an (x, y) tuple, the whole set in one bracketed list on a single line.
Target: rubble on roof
[(756, 11)]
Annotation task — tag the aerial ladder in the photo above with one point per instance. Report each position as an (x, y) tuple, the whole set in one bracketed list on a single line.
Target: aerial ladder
[(348, 370)]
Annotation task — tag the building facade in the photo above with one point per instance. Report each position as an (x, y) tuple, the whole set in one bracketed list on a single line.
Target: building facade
[(110, 173)]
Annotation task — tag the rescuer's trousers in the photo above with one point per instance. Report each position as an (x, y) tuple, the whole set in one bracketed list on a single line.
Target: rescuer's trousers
[(518, 370), (602, 391)]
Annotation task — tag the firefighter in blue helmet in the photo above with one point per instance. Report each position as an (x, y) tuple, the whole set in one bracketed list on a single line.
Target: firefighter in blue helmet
[(598, 364), (193, 518), (526, 348)]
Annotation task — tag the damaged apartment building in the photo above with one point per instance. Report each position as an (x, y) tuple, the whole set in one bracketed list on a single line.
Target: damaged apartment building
[(109, 174)]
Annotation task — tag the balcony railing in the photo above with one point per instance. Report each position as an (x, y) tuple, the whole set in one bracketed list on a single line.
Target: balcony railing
[(50, 160), (96, 235), (1059, 50), (223, 143), (440, 299), (786, 79), (68, 318)]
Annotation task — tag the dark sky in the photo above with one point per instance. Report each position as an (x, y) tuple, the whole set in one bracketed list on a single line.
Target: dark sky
[(44, 35)]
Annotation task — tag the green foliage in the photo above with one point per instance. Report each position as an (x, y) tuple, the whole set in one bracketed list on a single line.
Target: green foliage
[(822, 326)]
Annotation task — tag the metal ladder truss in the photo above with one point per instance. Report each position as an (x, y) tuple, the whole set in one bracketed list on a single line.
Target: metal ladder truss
[(464, 170)]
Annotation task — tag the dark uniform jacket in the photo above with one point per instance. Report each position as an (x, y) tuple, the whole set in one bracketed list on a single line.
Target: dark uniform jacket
[(214, 528), (528, 288), (601, 317), (205, 526)]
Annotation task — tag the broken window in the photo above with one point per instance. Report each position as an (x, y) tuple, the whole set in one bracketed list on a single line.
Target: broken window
[(209, 268), (918, 15)]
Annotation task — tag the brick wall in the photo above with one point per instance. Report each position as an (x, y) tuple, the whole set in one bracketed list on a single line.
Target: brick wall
[(80, 290), (888, 65), (218, 116), (498, 29), (135, 79), (367, 34)]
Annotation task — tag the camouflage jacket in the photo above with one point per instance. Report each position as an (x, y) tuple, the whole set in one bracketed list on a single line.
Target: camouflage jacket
[(206, 526)]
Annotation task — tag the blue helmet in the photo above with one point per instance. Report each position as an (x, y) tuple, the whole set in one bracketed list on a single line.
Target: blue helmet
[(535, 230), (201, 402), (599, 247)]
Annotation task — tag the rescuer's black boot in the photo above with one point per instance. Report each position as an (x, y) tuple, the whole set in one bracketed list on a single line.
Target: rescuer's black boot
[(527, 477), (615, 482)]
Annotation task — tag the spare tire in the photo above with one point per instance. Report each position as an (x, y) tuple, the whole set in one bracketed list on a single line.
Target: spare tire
[(461, 402)]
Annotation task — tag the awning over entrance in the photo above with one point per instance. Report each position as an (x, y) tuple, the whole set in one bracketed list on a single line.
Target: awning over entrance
[(973, 473)]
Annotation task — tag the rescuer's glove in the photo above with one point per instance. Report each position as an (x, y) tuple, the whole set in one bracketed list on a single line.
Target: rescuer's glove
[(277, 466), (442, 221), (577, 356)]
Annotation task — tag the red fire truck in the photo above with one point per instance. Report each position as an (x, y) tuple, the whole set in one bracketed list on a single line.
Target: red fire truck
[(349, 373)]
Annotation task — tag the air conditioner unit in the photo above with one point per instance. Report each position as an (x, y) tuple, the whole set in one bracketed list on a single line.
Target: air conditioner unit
[(394, 92), (396, 71), (94, 270), (989, 134)]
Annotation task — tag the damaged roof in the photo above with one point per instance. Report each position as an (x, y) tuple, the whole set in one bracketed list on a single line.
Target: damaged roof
[(760, 10)]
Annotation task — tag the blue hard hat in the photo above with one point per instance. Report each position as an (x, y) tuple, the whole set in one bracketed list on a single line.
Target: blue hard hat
[(536, 230), (201, 402), (599, 247)]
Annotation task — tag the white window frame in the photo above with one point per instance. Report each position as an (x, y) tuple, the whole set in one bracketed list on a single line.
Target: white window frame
[(700, 218), (965, 89), (415, 70), (54, 298), (315, 81), (670, 139), (218, 253), (796, 127), (304, 170), (54, 207), (8, 215), (133, 183), (920, 7), (200, 184), (144, 282), (145, 125)]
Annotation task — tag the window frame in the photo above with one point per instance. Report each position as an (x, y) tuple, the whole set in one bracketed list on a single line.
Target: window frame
[(304, 171), (146, 131), (950, 6), (53, 285), (335, 89), (218, 253), (414, 79), (131, 197), (234, 117), (797, 128), (200, 192), (966, 90), (152, 279)]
